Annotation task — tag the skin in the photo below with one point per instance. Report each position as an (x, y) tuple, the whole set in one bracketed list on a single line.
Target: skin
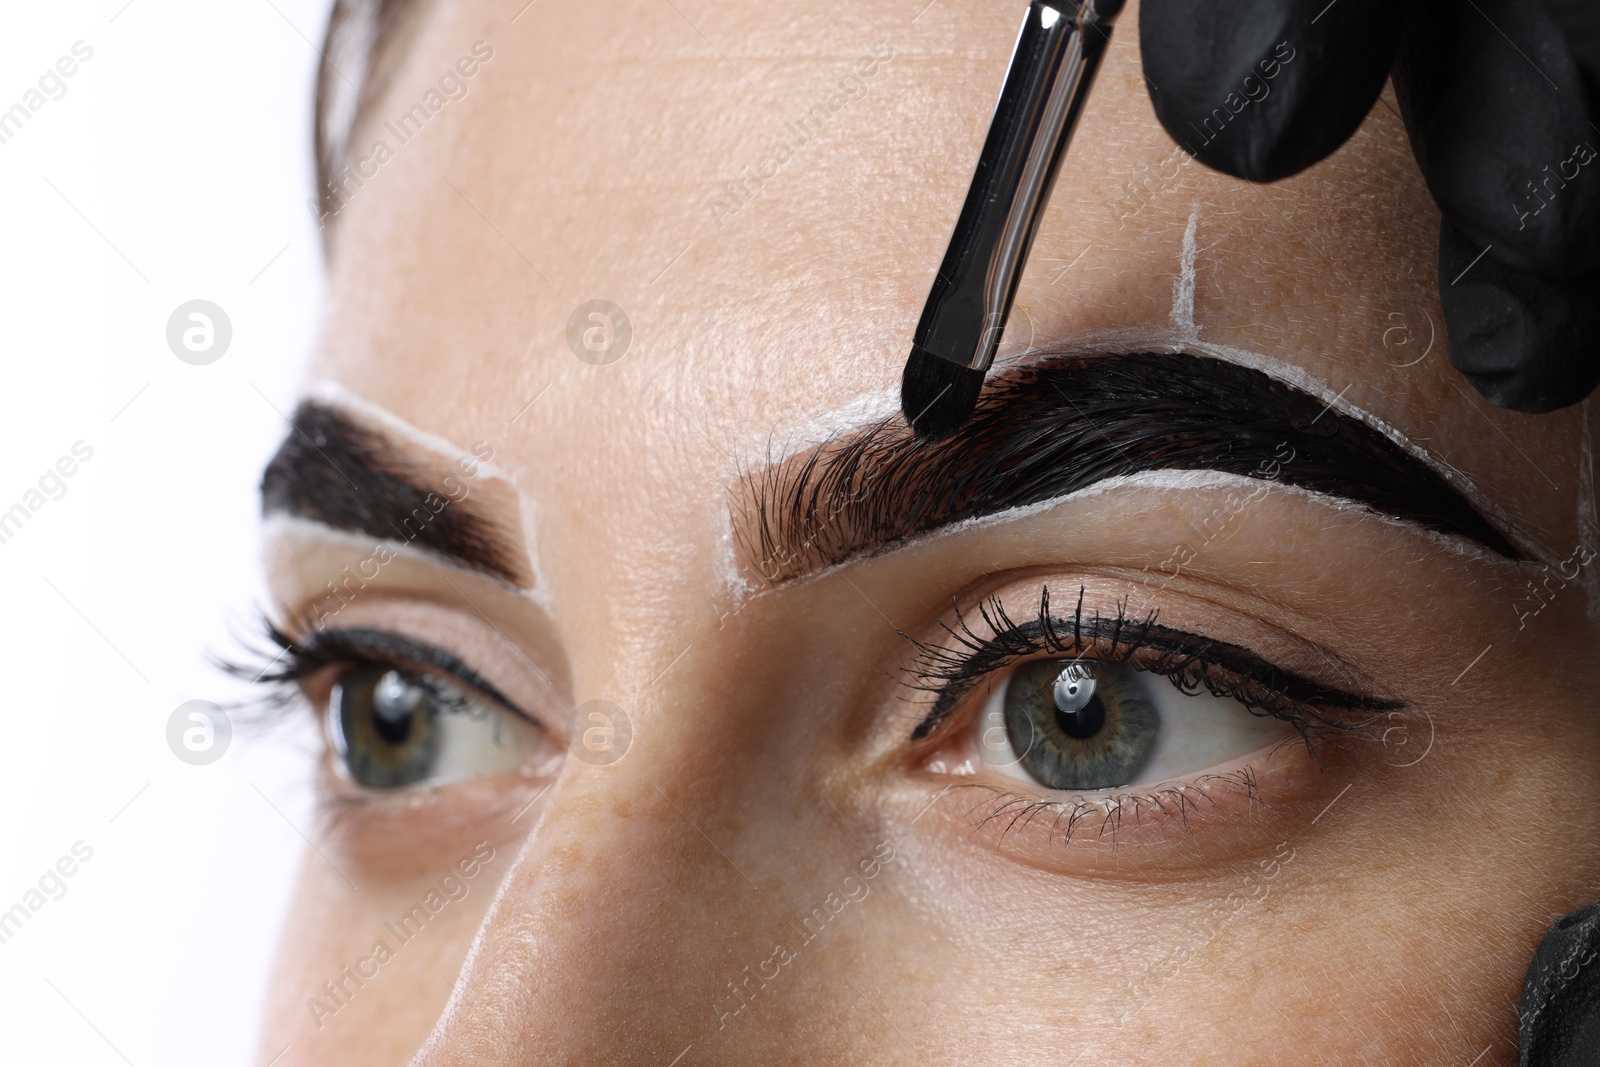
[(1380, 909)]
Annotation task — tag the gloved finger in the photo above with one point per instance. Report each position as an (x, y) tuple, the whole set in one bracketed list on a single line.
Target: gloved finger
[(1580, 21), (1525, 342), (1262, 89), (1560, 1017), (1499, 117)]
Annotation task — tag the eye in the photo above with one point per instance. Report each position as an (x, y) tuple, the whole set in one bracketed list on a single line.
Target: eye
[(393, 727), (1077, 725)]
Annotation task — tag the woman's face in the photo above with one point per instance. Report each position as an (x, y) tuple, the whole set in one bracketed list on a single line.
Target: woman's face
[(646, 750)]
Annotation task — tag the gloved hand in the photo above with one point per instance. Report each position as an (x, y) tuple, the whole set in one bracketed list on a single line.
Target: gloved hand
[(1499, 98), (1560, 1017)]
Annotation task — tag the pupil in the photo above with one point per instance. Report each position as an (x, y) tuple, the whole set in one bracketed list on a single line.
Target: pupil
[(394, 704), (1083, 723)]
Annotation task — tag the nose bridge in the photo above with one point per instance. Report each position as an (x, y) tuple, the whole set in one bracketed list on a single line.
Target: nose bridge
[(595, 948)]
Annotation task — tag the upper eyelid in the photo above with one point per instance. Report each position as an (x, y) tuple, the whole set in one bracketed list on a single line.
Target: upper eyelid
[(1295, 690), (386, 646)]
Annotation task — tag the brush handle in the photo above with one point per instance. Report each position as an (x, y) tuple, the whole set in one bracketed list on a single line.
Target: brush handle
[(1058, 51)]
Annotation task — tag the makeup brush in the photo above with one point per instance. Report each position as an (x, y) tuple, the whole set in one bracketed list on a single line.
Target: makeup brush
[(1058, 51)]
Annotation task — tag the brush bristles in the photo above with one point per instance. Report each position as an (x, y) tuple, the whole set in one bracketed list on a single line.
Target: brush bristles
[(937, 396)]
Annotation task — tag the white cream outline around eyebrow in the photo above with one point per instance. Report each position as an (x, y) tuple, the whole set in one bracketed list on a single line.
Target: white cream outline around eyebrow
[(1213, 479), (866, 410), (1182, 315), (1174, 480), (275, 529), (725, 563), (331, 394), (336, 396), (1182, 335)]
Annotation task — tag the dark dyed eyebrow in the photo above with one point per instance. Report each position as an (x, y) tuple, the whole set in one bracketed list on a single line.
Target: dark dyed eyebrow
[(336, 472), (1065, 423)]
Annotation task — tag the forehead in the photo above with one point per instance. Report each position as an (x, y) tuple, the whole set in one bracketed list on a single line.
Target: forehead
[(765, 192)]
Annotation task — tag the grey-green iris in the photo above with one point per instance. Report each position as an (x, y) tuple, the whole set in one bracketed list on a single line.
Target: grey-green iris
[(1079, 725), (388, 725)]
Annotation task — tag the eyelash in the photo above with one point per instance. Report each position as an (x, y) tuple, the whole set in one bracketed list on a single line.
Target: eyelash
[(1189, 661), (279, 675), (1066, 814)]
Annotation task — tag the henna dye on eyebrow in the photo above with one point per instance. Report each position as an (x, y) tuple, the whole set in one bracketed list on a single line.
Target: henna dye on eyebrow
[(1062, 424), (333, 471)]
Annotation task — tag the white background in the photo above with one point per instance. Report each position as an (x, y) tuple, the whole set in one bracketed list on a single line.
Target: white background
[(176, 166)]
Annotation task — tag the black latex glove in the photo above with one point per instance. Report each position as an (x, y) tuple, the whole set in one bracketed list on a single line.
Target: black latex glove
[(1561, 995), (1499, 98)]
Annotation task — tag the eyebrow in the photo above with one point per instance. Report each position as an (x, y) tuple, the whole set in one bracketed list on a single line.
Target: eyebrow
[(336, 472), (1065, 423)]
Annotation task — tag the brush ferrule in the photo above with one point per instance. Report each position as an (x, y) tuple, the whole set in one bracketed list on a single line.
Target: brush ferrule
[(1058, 51)]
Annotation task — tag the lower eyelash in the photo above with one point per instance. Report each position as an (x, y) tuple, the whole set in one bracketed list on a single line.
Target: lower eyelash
[(1177, 800)]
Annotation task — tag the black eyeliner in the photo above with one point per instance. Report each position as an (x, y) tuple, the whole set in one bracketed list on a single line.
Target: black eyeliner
[(1188, 660), (368, 646)]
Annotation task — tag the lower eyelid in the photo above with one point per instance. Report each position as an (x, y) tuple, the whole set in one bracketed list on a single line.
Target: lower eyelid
[(1171, 830), (1164, 829), (1173, 799)]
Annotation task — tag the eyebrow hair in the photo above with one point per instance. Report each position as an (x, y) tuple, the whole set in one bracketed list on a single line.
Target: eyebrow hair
[(336, 472), (1063, 424)]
